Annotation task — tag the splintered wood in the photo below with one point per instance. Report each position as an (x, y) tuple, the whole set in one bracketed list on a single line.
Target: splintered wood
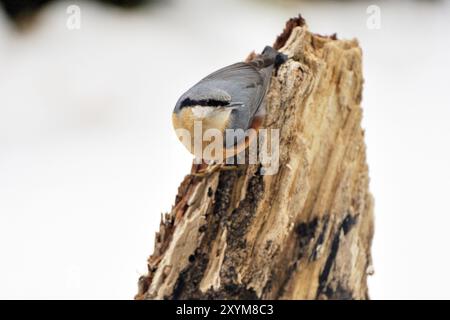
[(303, 233)]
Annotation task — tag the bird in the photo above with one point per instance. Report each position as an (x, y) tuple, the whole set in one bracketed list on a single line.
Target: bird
[(231, 98)]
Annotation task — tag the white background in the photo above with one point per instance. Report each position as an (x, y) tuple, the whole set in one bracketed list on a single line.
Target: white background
[(88, 159)]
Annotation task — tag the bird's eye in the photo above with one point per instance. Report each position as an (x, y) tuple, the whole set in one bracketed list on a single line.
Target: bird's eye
[(203, 102)]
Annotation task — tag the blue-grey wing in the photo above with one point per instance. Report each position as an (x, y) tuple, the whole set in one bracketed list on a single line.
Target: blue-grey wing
[(245, 84)]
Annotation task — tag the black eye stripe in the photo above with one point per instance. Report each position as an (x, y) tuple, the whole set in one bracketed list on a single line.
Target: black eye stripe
[(204, 102)]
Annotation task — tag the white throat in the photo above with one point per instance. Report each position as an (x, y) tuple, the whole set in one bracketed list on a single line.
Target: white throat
[(202, 112)]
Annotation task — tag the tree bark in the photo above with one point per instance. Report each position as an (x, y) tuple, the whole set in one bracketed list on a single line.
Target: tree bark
[(303, 233)]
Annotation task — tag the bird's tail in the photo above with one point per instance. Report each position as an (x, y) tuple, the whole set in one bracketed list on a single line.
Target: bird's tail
[(269, 57), (266, 62)]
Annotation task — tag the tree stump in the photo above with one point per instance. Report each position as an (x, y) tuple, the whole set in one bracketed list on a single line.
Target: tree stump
[(303, 233)]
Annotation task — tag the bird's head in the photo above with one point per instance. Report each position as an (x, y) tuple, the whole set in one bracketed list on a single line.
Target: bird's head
[(197, 117)]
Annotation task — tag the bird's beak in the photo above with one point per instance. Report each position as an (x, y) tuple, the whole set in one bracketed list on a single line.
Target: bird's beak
[(236, 105)]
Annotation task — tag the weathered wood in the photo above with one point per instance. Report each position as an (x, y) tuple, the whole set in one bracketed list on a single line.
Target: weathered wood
[(304, 233)]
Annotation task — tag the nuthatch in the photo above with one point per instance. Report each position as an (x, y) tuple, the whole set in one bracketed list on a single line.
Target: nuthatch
[(230, 98)]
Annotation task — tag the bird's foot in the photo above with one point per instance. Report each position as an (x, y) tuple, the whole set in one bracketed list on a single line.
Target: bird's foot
[(209, 170)]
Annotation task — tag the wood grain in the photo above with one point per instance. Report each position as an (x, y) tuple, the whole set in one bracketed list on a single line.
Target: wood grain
[(303, 233)]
